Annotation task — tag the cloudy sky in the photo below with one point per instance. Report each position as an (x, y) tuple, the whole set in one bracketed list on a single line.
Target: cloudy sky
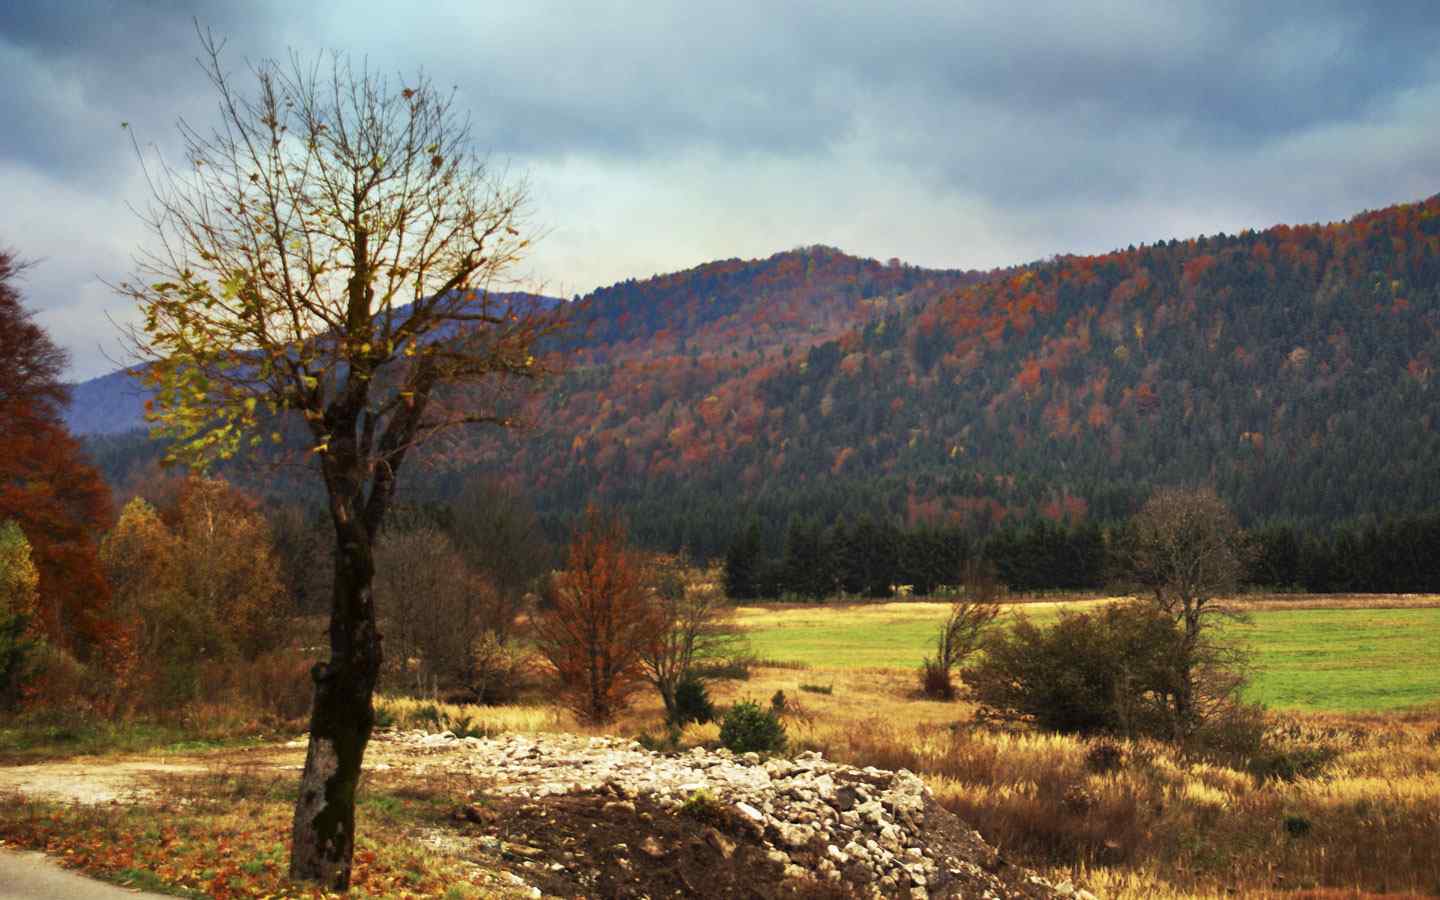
[(657, 136)]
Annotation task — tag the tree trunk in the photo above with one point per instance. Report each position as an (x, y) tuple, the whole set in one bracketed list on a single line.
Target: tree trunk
[(1183, 707), (340, 723), (1185, 668)]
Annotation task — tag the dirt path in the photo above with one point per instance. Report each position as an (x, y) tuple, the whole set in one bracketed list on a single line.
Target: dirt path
[(123, 779), (111, 780), (91, 782)]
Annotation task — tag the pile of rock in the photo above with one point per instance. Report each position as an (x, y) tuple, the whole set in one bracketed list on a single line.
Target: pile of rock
[(875, 832)]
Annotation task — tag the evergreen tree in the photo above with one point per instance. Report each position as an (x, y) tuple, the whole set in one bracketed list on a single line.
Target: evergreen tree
[(742, 564), (807, 568)]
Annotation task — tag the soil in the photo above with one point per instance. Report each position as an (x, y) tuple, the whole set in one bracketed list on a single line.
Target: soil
[(593, 845)]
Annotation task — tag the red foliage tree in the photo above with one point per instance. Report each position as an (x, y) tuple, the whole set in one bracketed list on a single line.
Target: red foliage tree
[(58, 499), (600, 618)]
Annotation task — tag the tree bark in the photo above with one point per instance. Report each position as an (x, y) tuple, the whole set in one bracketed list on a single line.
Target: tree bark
[(341, 720), (667, 694), (1185, 670)]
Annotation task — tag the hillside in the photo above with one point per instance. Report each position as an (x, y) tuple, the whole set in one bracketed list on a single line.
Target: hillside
[(1289, 367)]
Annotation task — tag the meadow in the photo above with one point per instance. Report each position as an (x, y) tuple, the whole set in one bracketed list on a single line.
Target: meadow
[(1314, 654)]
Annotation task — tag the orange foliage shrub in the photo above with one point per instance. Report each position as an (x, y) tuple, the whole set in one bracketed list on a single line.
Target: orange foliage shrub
[(599, 617)]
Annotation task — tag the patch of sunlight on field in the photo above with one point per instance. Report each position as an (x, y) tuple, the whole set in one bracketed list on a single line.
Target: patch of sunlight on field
[(1353, 658)]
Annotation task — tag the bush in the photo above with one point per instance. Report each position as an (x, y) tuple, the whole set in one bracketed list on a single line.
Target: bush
[(935, 681), (1072, 676), (279, 684), (499, 670), (1117, 670), (59, 680), (692, 703), (667, 742), (1234, 735), (1297, 826), (1290, 763), (467, 726), (274, 689), (384, 717), (1091, 672), (702, 805), (971, 617), (19, 653), (748, 728), (429, 716), (1104, 757), (734, 668)]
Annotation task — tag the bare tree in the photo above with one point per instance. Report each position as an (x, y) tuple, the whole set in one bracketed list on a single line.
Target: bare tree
[(433, 607), (328, 253), (500, 535), (970, 617), (304, 553), (695, 626), (1185, 548)]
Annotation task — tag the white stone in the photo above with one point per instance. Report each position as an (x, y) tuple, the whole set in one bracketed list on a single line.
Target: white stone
[(750, 812)]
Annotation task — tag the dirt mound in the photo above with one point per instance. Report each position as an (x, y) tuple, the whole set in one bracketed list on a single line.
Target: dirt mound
[(593, 844)]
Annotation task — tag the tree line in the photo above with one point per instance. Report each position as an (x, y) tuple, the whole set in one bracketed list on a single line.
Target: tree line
[(869, 557)]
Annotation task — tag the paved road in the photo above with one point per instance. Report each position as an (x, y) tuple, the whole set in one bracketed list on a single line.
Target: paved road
[(30, 876)]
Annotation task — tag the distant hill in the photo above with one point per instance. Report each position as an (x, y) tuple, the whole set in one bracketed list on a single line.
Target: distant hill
[(115, 403), (1292, 368), (790, 299), (110, 404)]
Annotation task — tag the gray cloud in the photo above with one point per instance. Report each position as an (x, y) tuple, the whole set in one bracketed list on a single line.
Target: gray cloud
[(660, 135)]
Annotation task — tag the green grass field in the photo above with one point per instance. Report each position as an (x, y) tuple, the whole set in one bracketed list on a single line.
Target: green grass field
[(1345, 660), (1340, 660)]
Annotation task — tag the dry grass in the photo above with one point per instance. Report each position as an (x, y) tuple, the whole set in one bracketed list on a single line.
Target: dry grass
[(1359, 815), (465, 720), (1124, 819), (1365, 817)]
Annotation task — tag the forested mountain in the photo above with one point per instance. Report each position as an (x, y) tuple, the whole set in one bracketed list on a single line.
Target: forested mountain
[(1291, 368)]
